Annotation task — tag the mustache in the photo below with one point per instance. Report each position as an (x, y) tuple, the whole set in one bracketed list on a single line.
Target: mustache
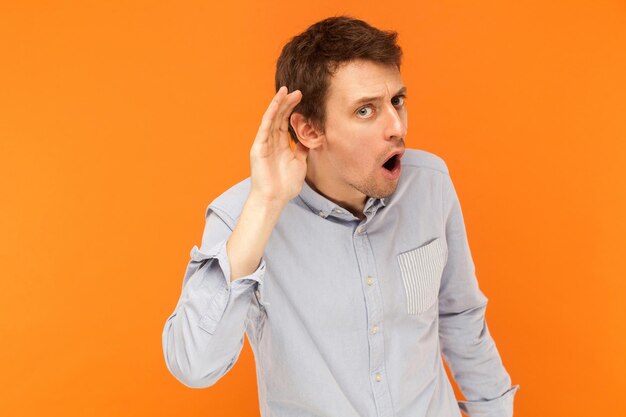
[(398, 147)]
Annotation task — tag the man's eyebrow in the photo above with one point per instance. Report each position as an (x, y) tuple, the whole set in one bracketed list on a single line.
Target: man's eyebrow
[(361, 100)]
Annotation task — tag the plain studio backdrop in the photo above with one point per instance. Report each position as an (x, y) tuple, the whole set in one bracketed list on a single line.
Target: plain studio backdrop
[(121, 120)]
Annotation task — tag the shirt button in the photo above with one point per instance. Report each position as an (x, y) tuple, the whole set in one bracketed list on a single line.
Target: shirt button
[(374, 329), (370, 280), (321, 213), (359, 230), (379, 377)]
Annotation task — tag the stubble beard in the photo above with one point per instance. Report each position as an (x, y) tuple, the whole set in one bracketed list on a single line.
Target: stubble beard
[(371, 189)]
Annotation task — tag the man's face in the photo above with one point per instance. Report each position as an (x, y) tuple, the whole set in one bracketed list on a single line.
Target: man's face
[(366, 123)]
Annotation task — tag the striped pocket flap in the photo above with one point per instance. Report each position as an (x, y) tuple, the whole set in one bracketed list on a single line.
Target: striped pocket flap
[(421, 270)]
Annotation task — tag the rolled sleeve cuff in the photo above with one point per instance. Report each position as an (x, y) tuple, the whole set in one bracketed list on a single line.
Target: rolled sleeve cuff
[(219, 252), (497, 407), (228, 290)]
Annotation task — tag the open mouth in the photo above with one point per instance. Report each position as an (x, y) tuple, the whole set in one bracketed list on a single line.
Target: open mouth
[(392, 167), (392, 163)]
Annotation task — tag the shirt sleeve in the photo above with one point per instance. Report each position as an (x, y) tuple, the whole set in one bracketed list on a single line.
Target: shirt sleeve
[(203, 337), (466, 344)]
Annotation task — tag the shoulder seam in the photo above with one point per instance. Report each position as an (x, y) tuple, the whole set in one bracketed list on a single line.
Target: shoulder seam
[(442, 170), (419, 158), (222, 214)]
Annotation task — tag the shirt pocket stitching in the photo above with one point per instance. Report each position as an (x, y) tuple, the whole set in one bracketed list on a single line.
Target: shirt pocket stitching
[(421, 270)]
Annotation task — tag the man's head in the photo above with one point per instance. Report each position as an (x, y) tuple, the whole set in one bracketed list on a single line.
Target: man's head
[(352, 116), (311, 58)]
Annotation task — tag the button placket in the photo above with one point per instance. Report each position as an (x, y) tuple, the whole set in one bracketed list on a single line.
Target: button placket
[(374, 309)]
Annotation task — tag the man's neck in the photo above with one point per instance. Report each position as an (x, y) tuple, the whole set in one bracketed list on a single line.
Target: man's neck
[(354, 205)]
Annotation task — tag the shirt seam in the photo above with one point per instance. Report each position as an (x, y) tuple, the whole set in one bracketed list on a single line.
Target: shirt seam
[(224, 216), (418, 166)]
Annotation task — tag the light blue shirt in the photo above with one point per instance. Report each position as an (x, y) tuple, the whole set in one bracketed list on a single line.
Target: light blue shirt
[(346, 317)]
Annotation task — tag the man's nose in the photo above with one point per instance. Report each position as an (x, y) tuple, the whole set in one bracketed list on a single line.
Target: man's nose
[(394, 124)]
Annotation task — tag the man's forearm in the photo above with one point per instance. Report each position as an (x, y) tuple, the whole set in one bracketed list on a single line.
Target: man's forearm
[(247, 242)]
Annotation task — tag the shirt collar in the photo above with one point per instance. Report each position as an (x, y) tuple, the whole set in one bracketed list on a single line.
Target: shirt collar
[(323, 207)]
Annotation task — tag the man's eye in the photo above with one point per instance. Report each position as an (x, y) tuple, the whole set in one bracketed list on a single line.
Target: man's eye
[(397, 101), (364, 111)]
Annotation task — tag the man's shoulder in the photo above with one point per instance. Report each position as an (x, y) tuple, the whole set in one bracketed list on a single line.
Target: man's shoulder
[(230, 203), (418, 158)]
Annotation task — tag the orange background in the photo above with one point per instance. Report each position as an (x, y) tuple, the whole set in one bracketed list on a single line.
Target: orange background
[(120, 121)]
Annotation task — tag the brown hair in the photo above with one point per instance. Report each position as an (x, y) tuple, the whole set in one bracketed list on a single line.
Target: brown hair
[(308, 60)]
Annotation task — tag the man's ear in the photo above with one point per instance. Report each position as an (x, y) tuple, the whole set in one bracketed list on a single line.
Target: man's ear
[(307, 134)]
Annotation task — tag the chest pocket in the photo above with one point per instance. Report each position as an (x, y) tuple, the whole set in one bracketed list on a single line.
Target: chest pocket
[(421, 270)]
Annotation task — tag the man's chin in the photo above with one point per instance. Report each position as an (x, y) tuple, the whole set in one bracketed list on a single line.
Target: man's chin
[(383, 192)]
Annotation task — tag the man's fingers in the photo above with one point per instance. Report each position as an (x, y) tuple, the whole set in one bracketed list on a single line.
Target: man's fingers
[(289, 105), (275, 123), (270, 114), (278, 135), (290, 101)]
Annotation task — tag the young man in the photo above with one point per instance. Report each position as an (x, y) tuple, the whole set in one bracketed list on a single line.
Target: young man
[(344, 260)]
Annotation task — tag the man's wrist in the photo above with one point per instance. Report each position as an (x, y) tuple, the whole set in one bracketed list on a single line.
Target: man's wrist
[(266, 204)]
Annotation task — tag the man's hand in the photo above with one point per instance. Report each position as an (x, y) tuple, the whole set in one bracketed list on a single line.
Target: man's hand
[(277, 172), (277, 176)]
